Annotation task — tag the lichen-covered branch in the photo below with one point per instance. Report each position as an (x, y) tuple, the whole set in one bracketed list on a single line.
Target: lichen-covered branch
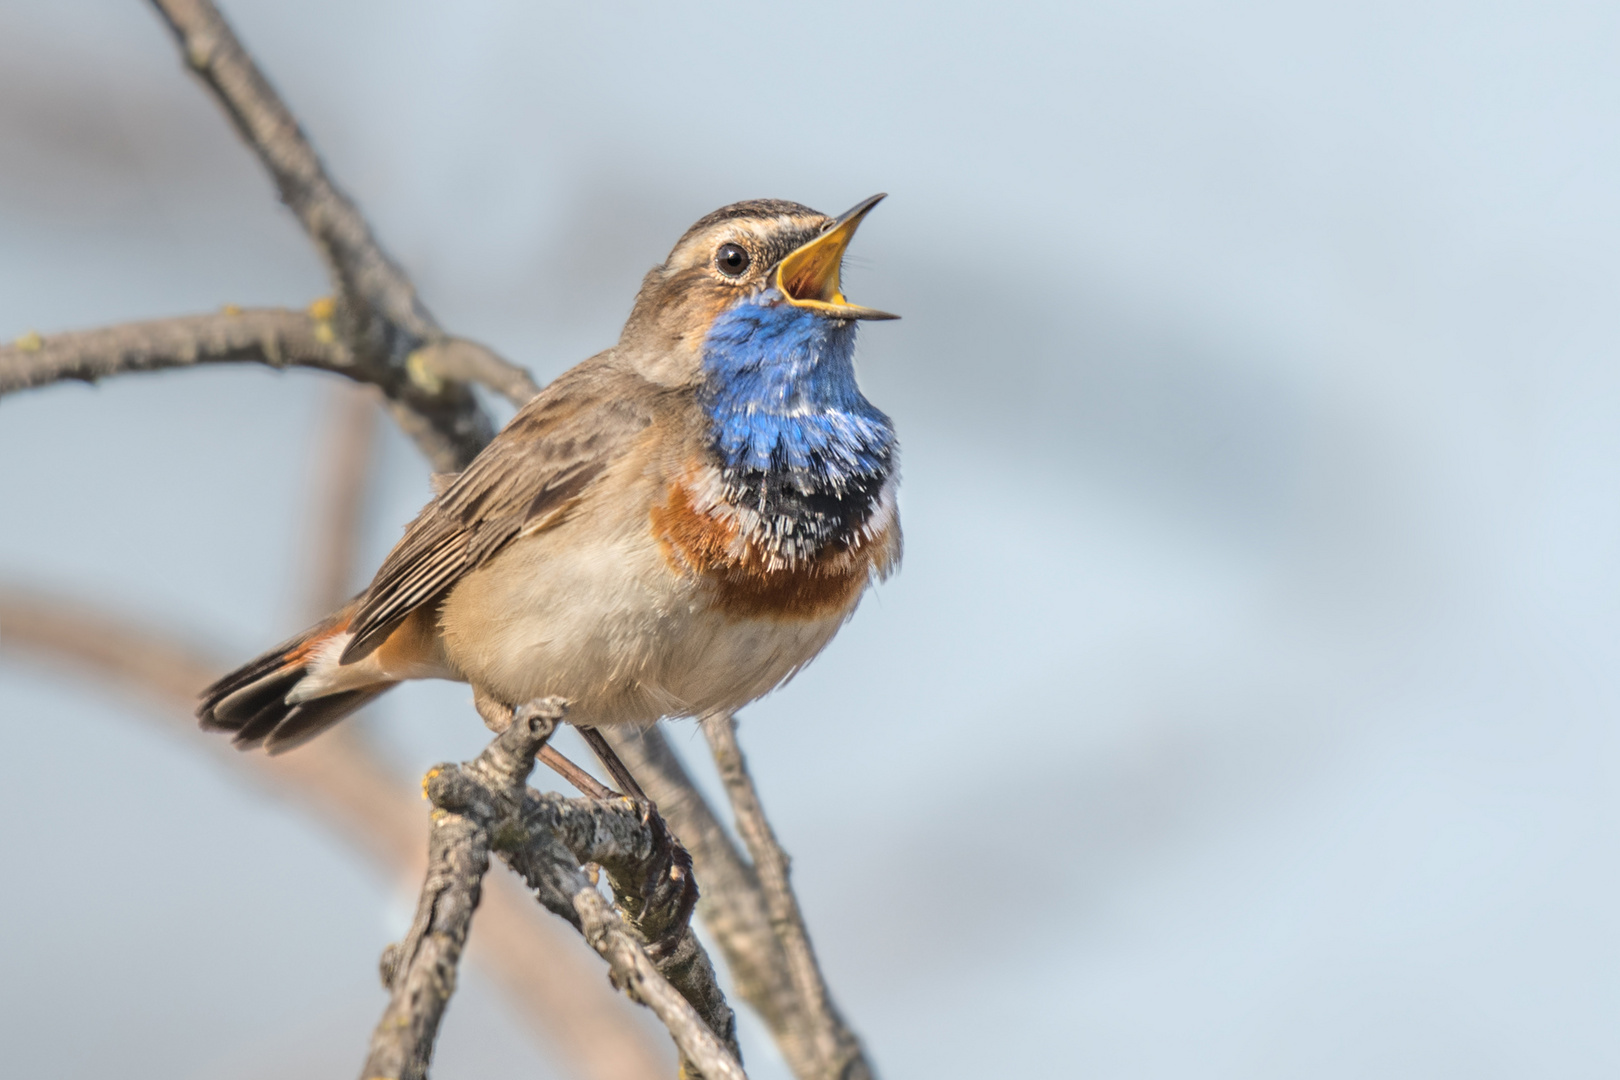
[(733, 904), (421, 970), (547, 839), (278, 337)]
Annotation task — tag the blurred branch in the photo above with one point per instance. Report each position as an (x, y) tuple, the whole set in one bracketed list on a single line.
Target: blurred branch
[(342, 471), (342, 784), (485, 805), (837, 1050)]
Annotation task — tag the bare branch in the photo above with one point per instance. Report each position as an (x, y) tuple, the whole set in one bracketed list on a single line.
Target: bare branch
[(378, 314), (277, 337), (546, 839), (631, 969), (651, 877), (421, 970), (378, 294), (838, 1051), (461, 360), (342, 783)]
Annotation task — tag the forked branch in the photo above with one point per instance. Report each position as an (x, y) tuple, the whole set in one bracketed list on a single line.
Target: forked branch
[(483, 806)]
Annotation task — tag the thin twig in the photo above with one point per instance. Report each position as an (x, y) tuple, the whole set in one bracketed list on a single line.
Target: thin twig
[(648, 869), (733, 904), (631, 968), (838, 1050), (339, 780), (421, 970)]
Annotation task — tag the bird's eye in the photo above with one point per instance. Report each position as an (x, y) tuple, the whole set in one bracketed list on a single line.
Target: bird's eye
[(732, 259)]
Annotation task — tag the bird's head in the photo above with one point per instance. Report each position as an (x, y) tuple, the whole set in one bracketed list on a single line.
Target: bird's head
[(774, 263), (747, 310)]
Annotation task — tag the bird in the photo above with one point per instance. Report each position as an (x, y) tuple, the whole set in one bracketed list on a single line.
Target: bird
[(672, 528)]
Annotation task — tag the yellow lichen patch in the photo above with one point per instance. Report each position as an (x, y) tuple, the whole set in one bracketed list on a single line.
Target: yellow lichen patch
[(30, 342), (422, 373), (321, 311), (428, 779)]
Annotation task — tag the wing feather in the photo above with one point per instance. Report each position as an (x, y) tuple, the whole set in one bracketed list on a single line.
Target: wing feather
[(527, 479)]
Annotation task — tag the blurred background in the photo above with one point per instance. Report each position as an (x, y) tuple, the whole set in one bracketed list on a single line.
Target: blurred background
[(1246, 705)]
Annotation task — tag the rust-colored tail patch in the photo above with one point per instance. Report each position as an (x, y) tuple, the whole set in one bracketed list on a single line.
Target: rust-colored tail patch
[(251, 702)]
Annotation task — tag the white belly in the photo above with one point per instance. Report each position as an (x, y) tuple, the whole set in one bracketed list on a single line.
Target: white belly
[(612, 628)]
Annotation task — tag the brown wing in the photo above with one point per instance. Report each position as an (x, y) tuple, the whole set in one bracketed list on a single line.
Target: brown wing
[(527, 478)]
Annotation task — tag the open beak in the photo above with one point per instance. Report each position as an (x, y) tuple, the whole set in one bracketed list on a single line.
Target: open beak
[(808, 277)]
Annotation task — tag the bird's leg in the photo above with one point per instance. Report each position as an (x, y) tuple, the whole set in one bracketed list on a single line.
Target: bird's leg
[(582, 780), (620, 772), (668, 886), (667, 892), (497, 716)]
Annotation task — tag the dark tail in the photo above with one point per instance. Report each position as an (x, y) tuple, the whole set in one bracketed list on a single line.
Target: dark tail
[(252, 701)]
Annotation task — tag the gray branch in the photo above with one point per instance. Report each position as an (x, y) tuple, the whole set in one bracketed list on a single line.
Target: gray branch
[(370, 284), (702, 1054), (421, 970), (483, 806), (733, 904), (278, 338), (378, 315)]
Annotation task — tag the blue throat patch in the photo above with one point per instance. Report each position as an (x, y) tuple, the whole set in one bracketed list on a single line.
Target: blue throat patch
[(781, 394)]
